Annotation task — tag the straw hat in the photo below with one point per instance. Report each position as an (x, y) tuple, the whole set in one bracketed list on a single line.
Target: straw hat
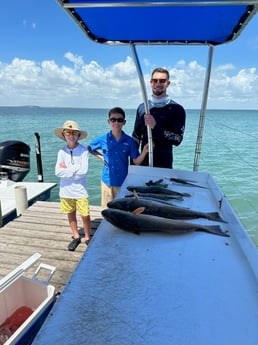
[(70, 125)]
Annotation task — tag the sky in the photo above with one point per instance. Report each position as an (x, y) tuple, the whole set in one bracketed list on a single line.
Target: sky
[(46, 60)]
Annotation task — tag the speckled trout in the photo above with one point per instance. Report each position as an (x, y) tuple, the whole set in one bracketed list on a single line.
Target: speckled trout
[(138, 223)]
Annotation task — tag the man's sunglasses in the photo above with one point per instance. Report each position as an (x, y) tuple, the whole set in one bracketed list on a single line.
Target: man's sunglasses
[(161, 81), (70, 132), (114, 119)]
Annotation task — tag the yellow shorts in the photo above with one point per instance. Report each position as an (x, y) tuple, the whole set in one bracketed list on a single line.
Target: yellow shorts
[(70, 205)]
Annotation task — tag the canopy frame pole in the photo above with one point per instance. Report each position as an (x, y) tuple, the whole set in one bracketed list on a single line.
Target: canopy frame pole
[(145, 100), (143, 4), (203, 111)]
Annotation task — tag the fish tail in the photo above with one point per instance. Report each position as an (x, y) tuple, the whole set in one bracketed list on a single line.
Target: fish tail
[(215, 216), (215, 229)]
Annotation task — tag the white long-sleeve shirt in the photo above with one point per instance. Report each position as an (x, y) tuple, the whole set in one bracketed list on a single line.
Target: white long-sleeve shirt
[(73, 182)]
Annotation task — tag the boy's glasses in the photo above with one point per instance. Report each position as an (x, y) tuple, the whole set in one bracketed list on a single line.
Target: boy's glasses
[(70, 132), (114, 119), (161, 81)]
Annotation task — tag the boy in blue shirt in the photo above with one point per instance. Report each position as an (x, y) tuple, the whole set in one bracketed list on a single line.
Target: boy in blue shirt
[(117, 148)]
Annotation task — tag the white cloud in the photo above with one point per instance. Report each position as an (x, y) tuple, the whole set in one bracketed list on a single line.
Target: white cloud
[(77, 60), (80, 84)]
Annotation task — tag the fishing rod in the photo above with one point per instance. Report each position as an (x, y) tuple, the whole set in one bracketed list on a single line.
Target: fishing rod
[(145, 100), (203, 111)]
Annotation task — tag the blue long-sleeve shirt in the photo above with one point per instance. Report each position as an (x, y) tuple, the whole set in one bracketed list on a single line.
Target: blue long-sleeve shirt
[(116, 154)]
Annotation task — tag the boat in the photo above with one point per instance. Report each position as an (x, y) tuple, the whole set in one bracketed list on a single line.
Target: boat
[(25, 302), (157, 288), (153, 287), (15, 194)]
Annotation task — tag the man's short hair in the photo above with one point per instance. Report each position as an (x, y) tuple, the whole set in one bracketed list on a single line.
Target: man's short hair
[(160, 70)]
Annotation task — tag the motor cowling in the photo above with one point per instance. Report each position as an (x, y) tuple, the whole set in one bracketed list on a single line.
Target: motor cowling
[(14, 160)]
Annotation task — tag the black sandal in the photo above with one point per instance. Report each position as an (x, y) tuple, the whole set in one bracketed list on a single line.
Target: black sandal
[(74, 244), (87, 242)]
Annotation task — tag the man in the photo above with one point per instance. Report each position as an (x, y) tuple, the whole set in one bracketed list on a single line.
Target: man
[(166, 120)]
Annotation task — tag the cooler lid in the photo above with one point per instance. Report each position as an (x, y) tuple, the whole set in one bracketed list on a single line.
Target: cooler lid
[(18, 272)]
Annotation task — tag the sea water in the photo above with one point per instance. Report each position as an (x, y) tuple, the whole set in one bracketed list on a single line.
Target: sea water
[(228, 151)]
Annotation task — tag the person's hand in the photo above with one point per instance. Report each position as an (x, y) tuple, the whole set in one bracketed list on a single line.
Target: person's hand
[(149, 121), (62, 165), (145, 148)]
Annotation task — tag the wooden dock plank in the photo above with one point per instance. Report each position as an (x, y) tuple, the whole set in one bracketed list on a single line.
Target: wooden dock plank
[(44, 229)]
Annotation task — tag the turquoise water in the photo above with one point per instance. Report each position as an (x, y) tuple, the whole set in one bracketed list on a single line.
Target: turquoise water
[(229, 149)]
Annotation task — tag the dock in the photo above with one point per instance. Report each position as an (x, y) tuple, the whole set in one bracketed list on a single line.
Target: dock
[(43, 229), (16, 196)]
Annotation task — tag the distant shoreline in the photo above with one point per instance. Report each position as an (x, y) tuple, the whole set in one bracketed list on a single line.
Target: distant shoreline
[(104, 108)]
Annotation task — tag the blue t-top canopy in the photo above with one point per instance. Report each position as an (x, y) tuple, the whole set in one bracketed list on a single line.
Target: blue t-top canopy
[(209, 22)]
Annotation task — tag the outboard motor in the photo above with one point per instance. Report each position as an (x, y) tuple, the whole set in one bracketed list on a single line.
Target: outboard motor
[(14, 160)]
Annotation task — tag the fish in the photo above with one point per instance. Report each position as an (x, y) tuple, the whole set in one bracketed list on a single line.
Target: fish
[(185, 182), (160, 201), (155, 189), (142, 223), (156, 183), (156, 196), (158, 209)]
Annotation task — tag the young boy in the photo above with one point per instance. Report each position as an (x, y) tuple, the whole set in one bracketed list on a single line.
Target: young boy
[(117, 147), (72, 168)]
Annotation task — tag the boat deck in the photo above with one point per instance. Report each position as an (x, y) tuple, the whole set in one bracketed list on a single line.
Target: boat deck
[(44, 229), (162, 288)]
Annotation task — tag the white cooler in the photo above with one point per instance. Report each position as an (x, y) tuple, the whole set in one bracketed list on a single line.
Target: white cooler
[(24, 303)]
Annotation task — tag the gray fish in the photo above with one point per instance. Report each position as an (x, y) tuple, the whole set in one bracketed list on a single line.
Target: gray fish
[(156, 196), (155, 189), (157, 209), (137, 223), (185, 182), (160, 201)]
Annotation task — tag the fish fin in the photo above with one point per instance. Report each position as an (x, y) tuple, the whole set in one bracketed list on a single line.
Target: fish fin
[(153, 183), (139, 210)]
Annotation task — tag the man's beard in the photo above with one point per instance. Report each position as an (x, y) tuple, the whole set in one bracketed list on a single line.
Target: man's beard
[(158, 92)]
